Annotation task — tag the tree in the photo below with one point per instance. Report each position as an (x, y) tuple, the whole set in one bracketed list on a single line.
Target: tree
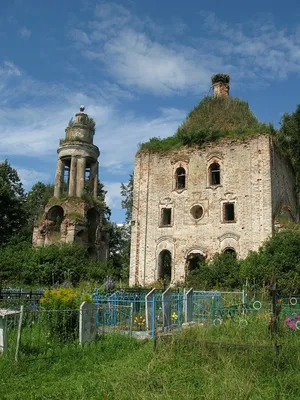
[(120, 236), (13, 215), (37, 198), (101, 192), (119, 250), (127, 202), (289, 139)]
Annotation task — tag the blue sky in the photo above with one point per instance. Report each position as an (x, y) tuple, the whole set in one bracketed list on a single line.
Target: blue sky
[(138, 67)]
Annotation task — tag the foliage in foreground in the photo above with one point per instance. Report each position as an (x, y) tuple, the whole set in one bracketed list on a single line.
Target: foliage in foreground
[(181, 368), (21, 263), (60, 312), (288, 139), (13, 212), (278, 259)]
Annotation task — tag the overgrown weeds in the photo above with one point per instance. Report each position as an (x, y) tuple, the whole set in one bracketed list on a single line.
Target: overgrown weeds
[(183, 367)]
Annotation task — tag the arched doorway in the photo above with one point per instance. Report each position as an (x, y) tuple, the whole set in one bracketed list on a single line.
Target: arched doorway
[(93, 218), (193, 260), (230, 252), (56, 215), (165, 266)]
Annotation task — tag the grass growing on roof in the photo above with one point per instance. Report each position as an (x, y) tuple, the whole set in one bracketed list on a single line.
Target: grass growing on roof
[(212, 119)]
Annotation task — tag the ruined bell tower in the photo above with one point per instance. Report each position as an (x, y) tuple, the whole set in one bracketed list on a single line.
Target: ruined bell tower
[(75, 213)]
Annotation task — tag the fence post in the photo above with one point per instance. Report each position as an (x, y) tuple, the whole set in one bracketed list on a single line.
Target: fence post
[(149, 309), (213, 312), (155, 342), (178, 311), (130, 321), (153, 317), (19, 333), (167, 309)]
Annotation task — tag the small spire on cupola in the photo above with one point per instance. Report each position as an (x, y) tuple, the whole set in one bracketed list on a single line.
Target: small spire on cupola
[(220, 84), (81, 108)]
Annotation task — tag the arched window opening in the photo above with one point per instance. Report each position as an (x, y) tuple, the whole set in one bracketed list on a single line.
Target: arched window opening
[(193, 261), (55, 215), (93, 218), (87, 178), (180, 178), (215, 174), (66, 175), (165, 266), (230, 252)]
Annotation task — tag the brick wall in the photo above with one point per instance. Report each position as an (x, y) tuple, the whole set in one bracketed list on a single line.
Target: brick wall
[(245, 167)]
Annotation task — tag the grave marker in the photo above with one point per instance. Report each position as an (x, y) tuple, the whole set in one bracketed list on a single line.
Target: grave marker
[(87, 323)]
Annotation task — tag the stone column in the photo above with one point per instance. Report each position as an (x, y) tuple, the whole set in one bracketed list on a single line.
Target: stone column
[(72, 177), (80, 176), (94, 179), (59, 178)]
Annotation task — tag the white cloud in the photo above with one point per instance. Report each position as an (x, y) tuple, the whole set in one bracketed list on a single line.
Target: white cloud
[(128, 48), (34, 130), (270, 52), (30, 176), (113, 196), (25, 32), (8, 69), (146, 57), (123, 134)]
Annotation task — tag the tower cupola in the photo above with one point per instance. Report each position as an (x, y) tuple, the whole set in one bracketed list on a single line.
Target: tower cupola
[(77, 164)]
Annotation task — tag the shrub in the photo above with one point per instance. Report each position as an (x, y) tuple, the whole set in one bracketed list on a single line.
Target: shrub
[(61, 312), (222, 272)]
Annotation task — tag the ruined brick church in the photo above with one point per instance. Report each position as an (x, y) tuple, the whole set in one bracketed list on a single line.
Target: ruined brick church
[(194, 201), (74, 214)]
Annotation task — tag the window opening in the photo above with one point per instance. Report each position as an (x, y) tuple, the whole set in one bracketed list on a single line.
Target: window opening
[(180, 178), (165, 266), (215, 174), (228, 212), (166, 214), (87, 185), (66, 177), (93, 219), (230, 251), (197, 211), (56, 216), (193, 261)]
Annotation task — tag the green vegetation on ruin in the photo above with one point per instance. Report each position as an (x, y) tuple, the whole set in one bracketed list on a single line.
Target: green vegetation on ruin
[(86, 120), (212, 119), (87, 198), (72, 139)]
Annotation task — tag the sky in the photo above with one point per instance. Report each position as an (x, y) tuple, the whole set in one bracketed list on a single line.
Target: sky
[(138, 67)]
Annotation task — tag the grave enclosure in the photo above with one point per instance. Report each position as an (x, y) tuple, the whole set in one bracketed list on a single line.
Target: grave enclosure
[(139, 315)]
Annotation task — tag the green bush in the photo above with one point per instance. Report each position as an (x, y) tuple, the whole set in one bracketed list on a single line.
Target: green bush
[(60, 310), (278, 260), (222, 272), (45, 266)]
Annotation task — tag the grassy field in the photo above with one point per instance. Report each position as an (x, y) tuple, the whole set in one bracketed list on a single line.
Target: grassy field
[(117, 367)]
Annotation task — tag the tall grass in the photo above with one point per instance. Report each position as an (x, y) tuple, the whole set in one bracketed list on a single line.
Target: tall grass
[(186, 366)]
